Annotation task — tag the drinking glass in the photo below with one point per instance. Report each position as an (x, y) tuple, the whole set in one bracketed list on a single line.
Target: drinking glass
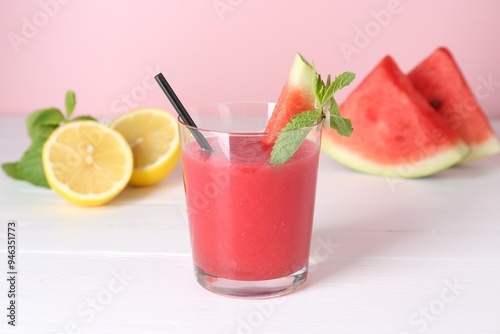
[(250, 221)]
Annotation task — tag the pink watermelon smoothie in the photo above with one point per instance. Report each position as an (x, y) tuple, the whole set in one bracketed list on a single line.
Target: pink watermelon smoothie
[(250, 220)]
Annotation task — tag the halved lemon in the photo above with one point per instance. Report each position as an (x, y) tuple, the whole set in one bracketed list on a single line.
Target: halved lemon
[(154, 139), (87, 162)]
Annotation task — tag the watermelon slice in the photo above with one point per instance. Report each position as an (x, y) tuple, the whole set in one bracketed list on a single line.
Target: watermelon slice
[(396, 132), (439, 79), (296, 96)]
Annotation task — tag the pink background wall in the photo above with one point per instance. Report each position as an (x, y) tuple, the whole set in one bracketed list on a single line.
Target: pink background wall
[(221, 50)]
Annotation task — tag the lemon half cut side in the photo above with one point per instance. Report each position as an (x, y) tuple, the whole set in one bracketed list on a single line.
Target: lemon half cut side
[(153, 137), (87, 163)]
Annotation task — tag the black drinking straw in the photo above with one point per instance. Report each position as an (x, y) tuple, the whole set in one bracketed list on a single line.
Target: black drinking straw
[(183, 114)]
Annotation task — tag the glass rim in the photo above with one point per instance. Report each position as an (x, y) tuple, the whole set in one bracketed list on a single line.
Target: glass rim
[(240, 133)]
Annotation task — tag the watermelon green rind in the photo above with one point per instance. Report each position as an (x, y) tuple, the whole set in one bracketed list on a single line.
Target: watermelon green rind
[(405, 169), (296, 96), (439, 79), (301, 74), (488, 147)]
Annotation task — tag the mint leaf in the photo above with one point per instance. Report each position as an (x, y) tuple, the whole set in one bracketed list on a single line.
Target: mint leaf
[(70, 103), (324, 99), (337, 122), (41, 123), (286, 145), (316, 85), (328, 93), (293, 135), (10, 168), (30, 167), (338, 83), (342, 81), (304, 119), (83, 118)]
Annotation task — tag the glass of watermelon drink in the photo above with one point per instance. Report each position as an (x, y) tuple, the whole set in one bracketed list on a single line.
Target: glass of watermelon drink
[(250, 222)]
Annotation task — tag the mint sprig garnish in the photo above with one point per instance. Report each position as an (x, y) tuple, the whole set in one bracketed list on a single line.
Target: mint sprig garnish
[(293, 135), (296, 130), (40, 125), (323, 92)]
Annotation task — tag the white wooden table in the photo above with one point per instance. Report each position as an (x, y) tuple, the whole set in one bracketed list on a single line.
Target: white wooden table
[(387, 256)]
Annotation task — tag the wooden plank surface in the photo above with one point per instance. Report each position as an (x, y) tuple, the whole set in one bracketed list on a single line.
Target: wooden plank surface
[(387, 256)]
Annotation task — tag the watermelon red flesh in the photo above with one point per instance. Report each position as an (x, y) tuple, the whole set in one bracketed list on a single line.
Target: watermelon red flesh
[(296, 96), (396, 131), (439, 79)]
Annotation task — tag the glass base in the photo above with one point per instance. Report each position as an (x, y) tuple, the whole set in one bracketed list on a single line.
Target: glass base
[(251, 289)]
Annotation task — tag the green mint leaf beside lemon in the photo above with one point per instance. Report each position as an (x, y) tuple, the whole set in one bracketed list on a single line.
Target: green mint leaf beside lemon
[(29, 167), (70, 103), (327, 110), (82, 118), (40, 125)]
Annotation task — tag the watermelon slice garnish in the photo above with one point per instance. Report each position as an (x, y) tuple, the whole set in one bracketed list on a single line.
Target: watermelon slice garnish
[(398, 133), (296, 96), (440, 80), (305, 101)]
